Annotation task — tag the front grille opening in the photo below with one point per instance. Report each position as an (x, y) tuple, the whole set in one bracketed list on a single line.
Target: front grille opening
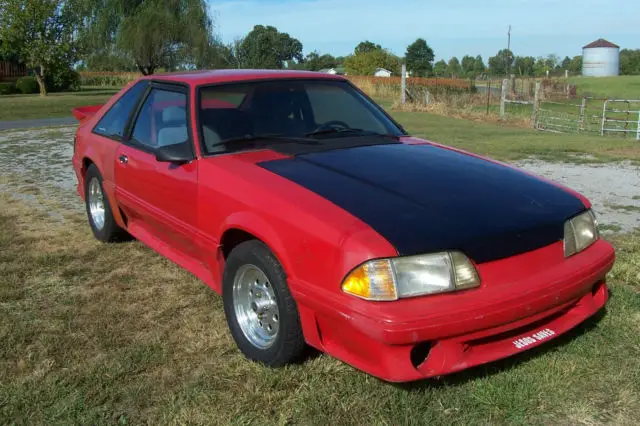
[(419, 353)]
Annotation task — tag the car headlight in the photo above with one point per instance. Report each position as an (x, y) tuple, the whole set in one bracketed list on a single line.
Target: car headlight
[(580, 232), (401, 277)]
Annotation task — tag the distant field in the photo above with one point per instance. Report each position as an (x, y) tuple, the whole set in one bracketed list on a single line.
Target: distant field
[(625, 87), (22, 107)]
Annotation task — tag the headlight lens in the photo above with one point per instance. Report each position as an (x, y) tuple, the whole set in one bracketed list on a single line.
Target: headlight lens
[(391, 279), (580, 232)]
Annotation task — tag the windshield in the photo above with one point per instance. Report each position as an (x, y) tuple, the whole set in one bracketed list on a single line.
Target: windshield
[(317, 110)]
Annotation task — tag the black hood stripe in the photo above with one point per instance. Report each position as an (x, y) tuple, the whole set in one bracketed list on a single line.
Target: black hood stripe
[(423, 198)]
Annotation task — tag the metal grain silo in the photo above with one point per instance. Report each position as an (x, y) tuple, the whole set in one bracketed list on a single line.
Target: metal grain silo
[(600, 59)]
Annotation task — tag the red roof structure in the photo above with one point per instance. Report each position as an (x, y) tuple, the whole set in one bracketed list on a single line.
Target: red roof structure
[(601, 43)]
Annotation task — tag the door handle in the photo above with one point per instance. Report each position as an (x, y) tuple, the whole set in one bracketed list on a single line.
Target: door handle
[(123, 159)]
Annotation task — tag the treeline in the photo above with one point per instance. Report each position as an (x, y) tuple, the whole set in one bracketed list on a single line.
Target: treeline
[(54, 38)]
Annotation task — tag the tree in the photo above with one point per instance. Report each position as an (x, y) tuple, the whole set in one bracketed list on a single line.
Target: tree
[(498, 64), (523, 66), (479, 67), (149, 33), (575, 67), (366, 47), (419, 58), (440, 68), (453, 67), (365, 63), (315, 62), (468, 66), (566, 62), (630, 62), (266, 47), (40, 34)]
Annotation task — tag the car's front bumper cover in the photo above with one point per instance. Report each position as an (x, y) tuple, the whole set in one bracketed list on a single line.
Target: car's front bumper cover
[(525, 301)]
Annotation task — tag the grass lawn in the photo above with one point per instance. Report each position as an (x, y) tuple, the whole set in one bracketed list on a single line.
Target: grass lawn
[(96, 334), (22, 107), (622, 87), (512, 143)]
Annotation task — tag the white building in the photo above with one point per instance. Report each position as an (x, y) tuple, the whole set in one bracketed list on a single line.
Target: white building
[(601, 59), (381, 72)]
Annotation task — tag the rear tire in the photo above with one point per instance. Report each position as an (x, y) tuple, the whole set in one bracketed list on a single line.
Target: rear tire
[(101, 220), (260, 311)]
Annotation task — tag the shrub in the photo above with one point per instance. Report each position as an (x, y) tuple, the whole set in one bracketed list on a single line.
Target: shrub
[(28, 85), (8, 89), (62, 78)]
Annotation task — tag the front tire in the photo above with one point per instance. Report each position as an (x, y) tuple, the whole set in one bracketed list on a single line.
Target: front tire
[(103, 225), (260, 311)]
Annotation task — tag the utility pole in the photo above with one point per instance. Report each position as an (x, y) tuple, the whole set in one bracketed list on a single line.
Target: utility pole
[(508, 62)]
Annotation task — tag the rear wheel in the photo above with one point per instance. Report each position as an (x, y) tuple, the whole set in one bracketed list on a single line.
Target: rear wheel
[(99, 213), (261, 313)]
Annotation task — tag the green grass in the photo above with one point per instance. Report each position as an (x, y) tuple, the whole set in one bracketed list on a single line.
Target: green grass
[(22, 107), (97, 334), (512, 143), (624, 86)]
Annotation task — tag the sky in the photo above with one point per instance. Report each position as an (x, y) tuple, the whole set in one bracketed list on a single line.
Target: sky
[(452, 28)]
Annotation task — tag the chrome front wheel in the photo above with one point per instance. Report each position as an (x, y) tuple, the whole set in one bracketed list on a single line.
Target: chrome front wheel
[(256, 307)]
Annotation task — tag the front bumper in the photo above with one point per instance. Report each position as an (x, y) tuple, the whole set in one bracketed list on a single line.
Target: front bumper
[(524, 301)]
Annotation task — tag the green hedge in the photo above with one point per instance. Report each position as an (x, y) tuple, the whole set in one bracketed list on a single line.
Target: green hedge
[(8, 89), (28, 85)]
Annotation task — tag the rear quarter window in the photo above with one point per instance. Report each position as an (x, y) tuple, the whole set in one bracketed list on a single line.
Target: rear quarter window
[(113, 123)]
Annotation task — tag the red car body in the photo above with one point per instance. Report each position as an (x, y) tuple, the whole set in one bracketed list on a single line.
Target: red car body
[(193, 213)]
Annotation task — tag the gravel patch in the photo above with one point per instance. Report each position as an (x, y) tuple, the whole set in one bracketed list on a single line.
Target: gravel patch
[(44, 156), (612, 188)]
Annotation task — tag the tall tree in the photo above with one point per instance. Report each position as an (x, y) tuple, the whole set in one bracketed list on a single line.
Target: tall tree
[(266, 47), (366, 47), (566, 62), (40, 33), (365, 63), (440, 68), (419, 58), (630, 62), (150, 33), (498, 63), (524, 66), (479, 67), (575, 67), (453, 67), (315, 62), (468, 64)]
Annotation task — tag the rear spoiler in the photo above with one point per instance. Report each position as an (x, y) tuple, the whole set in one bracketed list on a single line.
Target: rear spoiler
[(82, 113)]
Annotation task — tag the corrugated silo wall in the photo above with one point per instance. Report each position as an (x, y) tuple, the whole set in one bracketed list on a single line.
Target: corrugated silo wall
[(600, 61)]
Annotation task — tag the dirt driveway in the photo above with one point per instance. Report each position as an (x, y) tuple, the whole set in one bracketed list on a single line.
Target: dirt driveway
[(43, 155)]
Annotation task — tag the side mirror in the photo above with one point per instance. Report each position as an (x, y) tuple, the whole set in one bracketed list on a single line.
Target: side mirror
[(176, 154)]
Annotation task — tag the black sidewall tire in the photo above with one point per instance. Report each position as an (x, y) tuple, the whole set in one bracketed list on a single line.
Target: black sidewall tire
[(289, 344), (110, 231)]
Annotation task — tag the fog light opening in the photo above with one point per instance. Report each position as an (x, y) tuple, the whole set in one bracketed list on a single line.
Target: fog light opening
[(596, 288), (419, 353)]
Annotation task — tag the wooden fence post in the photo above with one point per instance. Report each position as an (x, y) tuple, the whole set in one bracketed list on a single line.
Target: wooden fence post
[(536, 106), (503, 97), (403, 96)]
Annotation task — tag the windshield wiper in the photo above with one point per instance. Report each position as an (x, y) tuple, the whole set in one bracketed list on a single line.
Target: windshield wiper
[(272, 138), (358, 132)]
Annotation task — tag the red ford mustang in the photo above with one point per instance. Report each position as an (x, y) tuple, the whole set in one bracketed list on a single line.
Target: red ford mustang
[(322, 222)]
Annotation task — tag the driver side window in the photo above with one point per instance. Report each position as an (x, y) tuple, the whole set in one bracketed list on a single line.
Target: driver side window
[(162, 120)]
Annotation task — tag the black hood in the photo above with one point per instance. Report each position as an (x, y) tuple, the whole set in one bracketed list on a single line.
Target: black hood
[(423, 198)]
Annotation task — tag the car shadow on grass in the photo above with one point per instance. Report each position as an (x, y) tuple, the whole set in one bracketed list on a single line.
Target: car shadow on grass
[(505, 364)]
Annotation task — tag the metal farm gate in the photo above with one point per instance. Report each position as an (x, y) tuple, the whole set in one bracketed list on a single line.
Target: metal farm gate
[(621, 116)]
